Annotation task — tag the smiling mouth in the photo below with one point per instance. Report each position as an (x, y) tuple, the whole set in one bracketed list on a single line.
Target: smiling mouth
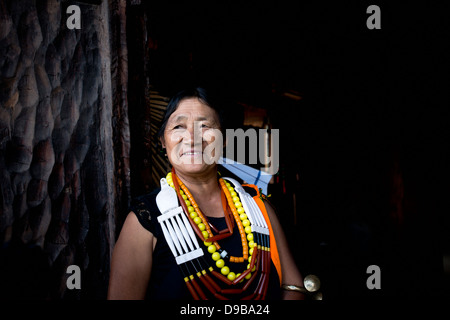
[(191, 153)]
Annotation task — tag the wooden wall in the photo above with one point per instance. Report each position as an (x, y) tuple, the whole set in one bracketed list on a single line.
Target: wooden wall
[(63, 145)]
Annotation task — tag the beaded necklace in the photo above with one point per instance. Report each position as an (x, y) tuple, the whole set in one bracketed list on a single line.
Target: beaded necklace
[(255, 245)]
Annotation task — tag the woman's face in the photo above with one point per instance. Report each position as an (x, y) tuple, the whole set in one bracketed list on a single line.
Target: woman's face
[(192, 137)]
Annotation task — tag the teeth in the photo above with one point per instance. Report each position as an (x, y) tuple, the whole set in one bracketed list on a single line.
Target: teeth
[(190, 153)]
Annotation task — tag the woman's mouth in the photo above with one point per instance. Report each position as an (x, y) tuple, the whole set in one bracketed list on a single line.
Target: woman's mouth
[(191, 153)]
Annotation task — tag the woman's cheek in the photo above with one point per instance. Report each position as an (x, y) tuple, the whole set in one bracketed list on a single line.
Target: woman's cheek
[(173, 146), (214, 147)]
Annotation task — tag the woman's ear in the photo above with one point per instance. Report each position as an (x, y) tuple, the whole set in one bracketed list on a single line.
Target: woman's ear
[(225, 141), (162, 142)]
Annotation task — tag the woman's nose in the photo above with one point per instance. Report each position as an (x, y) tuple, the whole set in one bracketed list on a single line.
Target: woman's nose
[(193, 135)]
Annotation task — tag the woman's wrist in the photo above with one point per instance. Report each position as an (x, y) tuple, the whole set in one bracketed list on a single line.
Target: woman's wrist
[(292, 287)]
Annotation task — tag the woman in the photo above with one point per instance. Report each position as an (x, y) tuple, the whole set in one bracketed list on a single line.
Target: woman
[(143, 266)]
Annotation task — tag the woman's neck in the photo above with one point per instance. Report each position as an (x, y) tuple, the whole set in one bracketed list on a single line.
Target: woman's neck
[(205, 189)]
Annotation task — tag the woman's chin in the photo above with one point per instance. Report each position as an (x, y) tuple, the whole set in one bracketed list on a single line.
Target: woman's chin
[(195, 168)]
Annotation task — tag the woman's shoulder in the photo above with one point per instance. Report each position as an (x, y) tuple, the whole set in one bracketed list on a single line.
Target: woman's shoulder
[(255, 191), (146, 210), (145, 199)]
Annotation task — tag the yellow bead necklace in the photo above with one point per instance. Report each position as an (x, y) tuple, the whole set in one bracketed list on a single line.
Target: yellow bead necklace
[(202, 228)]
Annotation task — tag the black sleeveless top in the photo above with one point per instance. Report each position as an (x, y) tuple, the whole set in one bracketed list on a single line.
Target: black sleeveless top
[(166, 280)]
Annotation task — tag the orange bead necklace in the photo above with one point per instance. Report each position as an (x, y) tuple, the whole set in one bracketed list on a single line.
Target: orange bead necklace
[(255, 247), (202, 227)]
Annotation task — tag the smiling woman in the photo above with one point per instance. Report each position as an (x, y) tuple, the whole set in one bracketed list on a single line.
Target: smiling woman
[(189, 133), (244, 254)]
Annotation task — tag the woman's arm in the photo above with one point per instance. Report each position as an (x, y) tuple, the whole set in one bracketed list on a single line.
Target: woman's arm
[(289, 270), (131, 261)]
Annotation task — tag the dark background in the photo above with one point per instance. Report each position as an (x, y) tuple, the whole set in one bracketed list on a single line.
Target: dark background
[(363, 178), (364, 150)]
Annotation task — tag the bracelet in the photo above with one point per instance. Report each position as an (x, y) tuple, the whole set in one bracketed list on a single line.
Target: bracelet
[(291, 287)]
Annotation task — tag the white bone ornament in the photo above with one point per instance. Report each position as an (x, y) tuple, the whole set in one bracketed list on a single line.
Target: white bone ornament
[(252, 210), (176, 228)]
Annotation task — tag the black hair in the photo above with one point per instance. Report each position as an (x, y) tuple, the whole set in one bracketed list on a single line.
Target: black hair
[(203, 95)]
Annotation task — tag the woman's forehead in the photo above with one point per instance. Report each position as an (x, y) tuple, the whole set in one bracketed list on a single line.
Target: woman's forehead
[(193, 108)]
